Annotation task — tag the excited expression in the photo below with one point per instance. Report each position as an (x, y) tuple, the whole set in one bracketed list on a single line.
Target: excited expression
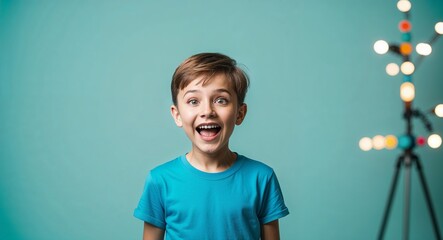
[(208, 114)]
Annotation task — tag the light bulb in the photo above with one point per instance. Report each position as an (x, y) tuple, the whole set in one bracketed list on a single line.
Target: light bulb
[(407, 68), (407, 92), (405, 48), (381, 47), (404, 5), (434, 141), (365, 144), (438, 110), (391, 141), (423, 49), (406, 37), (378, 142), (405, 142), (421, 141), (404, 26), (439, 28), (392, 69)]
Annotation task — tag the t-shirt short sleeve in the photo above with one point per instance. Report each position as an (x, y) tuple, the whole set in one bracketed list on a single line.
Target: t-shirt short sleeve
[(273, 206), (150, 207)]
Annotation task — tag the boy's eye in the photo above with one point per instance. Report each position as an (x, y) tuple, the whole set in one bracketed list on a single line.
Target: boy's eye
[(192, 102), (222, 101)]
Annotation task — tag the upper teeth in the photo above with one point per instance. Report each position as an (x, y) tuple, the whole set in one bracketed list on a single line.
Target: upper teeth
[(208, 126)]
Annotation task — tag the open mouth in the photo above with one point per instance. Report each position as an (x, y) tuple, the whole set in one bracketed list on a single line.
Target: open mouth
[(208, 130)]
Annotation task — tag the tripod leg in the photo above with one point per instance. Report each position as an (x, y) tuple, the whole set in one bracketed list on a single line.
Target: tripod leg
[(428, 198), (390, 198), (407, 195)]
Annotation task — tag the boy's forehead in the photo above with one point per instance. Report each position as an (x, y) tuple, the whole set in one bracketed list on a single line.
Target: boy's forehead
[(217, 81)]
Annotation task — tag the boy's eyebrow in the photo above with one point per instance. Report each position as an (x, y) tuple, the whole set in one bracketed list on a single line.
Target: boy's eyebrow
[(220, 90), (223, 90), (189, 91)]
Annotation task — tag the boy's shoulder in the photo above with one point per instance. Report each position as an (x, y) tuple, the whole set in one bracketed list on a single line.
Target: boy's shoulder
[(255, 165), (166, 167)]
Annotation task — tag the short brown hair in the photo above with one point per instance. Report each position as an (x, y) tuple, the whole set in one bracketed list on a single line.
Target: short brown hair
[(209, 65)]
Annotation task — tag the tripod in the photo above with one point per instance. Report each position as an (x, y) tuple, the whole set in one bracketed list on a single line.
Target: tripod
[(407, 159), (407, 93)]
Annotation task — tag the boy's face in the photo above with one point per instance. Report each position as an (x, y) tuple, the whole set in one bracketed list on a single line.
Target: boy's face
[(208, 114)]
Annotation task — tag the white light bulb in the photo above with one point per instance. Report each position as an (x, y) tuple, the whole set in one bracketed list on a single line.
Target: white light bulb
[(423, 49), (378, 142), (407, 68), (381, 47), (365, 144), (392, 69), (434, 141), (407, 92), (404, 5), (439, 27), (439, 110)]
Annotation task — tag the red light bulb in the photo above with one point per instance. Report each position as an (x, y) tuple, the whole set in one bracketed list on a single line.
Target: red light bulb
[(421, 141), (405, 26)]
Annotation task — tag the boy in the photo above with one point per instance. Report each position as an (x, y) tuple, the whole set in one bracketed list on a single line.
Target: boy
[(210, 192)]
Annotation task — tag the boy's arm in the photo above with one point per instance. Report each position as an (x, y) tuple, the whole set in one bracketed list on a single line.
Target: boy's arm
[(151, 232), (270, 231)]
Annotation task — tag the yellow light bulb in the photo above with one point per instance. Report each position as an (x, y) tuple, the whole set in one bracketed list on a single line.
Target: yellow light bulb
[(407, 92), (404, 5), (405, 48), (391, 141), (434, 141), (423, 49), (407, 68), (392, 69), (381, 47), (378, 142)]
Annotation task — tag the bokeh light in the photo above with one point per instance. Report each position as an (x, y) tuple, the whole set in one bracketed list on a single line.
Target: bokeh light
[(438, 110), (365, 144), (378, 142), (404, 5), (405, 142), (407, 68), (406, 37), (421, 141), (407, 91), (391, 141), (434, 141), (404, 26), (405, 48), (392, 69), (439, 27), (381, 47), (423, 49)]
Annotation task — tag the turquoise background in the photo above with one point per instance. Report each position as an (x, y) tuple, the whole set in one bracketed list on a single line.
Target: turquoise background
[(84, 109)]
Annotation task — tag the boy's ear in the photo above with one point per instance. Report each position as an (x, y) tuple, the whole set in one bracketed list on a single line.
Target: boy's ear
[(176, 115), (241, 114)]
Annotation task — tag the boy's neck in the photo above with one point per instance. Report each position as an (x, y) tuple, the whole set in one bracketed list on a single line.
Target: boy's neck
[(211, 163)]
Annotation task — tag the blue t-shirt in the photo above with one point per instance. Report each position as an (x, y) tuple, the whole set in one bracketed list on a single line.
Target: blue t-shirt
[(192, 204)]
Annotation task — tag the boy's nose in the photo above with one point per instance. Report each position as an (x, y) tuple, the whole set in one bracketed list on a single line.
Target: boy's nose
[(207, 111)]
